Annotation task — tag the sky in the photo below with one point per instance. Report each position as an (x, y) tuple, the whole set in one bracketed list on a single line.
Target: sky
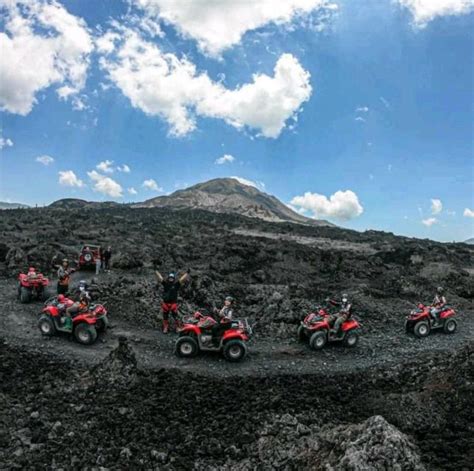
[(359, 112)]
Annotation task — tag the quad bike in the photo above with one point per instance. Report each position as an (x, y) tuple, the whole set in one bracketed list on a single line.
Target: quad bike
[(31, 286), (420, 321), (195, 335), (88, 256), (316, 328), (85, 325)]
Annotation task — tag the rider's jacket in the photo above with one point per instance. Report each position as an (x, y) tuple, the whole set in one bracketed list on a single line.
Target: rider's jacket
[(226, 313), (439, 301)]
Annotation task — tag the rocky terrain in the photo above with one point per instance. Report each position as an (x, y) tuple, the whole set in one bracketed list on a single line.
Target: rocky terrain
[(394, 402)]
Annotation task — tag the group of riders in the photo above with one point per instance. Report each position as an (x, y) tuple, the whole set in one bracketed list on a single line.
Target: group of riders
[(172, 285)]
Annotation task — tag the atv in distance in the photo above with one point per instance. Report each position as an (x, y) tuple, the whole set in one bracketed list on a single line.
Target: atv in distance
[(195, 336), (85, 324), (31, 286), (315, 329), (88, 256), (420, 321)]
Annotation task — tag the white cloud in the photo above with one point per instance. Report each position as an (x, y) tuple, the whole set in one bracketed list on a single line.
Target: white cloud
[(218, 25), (5, 142), (257, 184), (429, 221), (45, 160), (469, 213), (105, 185), (362, 109), (424, 11), (105, 166), (123, 168), (132, 191), (151, 184), (161, 84), (436, 206), (226, 158), (359, 118), (342, 205), (42, 45), (69, 178)]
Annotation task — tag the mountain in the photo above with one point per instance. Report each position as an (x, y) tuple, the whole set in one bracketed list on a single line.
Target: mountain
[(4, 205), (469, 241), (76, 203), (228, 195)]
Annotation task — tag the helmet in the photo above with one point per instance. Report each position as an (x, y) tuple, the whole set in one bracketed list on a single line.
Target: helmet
[(61, 298), (83, 283), (229, 298), (65, 260), (171, 276), (439, 290)]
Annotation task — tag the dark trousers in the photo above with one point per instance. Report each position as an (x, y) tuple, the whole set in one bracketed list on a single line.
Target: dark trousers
[(62, 289)]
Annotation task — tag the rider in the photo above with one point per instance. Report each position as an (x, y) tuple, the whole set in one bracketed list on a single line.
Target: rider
[(225, 315), (345, 311), (171, 286), (64, 275), (79, 306), (439, 303)]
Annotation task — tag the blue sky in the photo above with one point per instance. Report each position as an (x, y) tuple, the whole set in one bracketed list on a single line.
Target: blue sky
[(357, 112)]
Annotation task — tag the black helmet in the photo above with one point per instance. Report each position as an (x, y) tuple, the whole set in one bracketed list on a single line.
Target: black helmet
[(229, 298), (171, 276)]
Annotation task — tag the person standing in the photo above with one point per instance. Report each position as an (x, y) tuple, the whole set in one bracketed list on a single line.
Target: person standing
[(64, 276), (98, 261), (171, 286), (107, 257)]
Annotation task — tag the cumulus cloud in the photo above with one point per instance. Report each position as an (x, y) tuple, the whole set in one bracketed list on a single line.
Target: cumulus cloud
[(42, 45), (105, 166), (161, 84), (132, 191), (429, 221), (424, 11), (342, 205), (362, 109), (123, 168), (151, 184), (218, 25), (257, 184), (436, 206), (469, 213), (105, 185), (45, 160), (5, 142), (226, 158), (69, 178), (360, 118)]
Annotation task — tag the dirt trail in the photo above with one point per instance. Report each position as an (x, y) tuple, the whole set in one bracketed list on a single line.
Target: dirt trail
[(267, 356)]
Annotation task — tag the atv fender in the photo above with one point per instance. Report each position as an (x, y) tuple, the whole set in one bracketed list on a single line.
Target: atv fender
[(87, 318), (190, 329), (230, 335)]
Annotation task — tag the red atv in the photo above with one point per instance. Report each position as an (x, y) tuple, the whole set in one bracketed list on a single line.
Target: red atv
[(86, 325), (88, 256), (421, 322), (196, 335), (32, 286), (316, 328)]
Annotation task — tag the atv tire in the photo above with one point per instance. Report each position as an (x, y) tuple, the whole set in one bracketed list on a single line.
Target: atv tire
[(422, 329), (46, 326), (450, 326), (318, 340), (302, 337), (25, 295), (351, 339), (101, 325), (85, 334), (186, 347), (235, 350)]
